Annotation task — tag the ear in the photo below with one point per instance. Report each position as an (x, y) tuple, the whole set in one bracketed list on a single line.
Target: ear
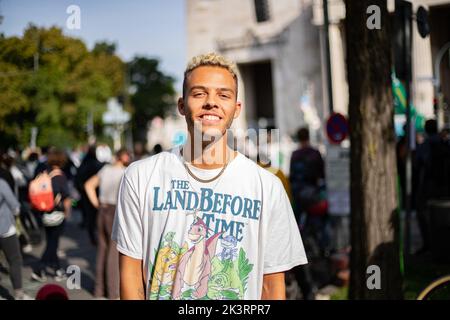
[(180, 104), (237, 111)]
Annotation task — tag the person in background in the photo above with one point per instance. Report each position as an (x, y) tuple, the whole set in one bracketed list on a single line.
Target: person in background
[(42, 162), (139, 151), (307, 176), (9, 242), (89, 167), (108, 181), (264, 160), (31, 163), (433, 169), (63, 204), (5, 173), (157, 149)]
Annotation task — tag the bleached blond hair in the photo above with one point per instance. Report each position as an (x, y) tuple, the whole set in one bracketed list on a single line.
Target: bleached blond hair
[(209, 59)]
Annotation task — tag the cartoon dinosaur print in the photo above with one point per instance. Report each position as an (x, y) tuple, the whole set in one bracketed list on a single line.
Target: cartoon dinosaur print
[(165, 268), (194, 267)]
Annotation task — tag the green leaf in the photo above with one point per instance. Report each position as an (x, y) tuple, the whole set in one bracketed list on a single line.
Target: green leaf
[(230, 295), (244, 268), (187, 294)]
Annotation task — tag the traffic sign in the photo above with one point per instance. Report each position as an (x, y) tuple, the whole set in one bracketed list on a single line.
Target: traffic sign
[(337, 128)]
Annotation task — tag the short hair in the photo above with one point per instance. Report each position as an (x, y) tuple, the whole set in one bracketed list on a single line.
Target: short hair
[(210, 59), (121, 152), (431, 126), (303, 134), (56, 157)]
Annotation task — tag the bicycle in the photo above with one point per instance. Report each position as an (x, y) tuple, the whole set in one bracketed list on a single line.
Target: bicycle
[(438, 289)]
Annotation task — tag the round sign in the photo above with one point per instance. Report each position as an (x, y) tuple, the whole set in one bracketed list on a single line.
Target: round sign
[(337, 128)]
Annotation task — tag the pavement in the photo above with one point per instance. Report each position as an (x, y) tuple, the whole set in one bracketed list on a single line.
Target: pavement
[(75, 250)]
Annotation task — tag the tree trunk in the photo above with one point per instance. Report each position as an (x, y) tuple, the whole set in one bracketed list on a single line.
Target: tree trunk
[(374, 205)]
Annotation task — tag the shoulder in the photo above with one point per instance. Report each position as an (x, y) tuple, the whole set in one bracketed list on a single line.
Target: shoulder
[(105, 168), (3, 184)]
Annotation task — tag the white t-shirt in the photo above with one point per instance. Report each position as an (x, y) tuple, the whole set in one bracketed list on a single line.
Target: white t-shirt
[(244, 228), (110, 177)]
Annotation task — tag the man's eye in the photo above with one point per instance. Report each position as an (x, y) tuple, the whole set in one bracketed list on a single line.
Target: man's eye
[(199, 94), (224, 96)]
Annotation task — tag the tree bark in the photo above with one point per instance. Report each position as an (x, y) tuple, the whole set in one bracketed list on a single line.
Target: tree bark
[(374, 205)]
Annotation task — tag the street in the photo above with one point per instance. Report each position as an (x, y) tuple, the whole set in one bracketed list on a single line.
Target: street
[(78, 251)]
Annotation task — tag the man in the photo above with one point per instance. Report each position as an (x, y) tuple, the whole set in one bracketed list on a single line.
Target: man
[(432, 165), (107, 180), (203, 221), (307, 183)]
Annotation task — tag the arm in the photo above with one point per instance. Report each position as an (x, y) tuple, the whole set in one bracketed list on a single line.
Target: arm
[(90, 186), (274, 287), (67, 207), (131, 278), (10, 199)]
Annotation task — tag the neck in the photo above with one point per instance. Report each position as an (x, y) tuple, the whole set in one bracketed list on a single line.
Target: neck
[(119, 164), (210, 155), (304, 144)]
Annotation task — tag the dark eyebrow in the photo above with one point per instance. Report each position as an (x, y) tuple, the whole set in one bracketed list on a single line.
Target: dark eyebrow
[(198, 87), (206, 89), (226, 89)]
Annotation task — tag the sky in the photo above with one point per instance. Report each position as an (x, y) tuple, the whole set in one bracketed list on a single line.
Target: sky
[(154, 28)]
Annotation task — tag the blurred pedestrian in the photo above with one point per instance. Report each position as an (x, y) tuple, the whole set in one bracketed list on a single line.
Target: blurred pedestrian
[(433, 169), (42, 162), (5, 173), (54, 220), (139, 151), (108, 181), (9, 242), (307, 177), (89, 167)]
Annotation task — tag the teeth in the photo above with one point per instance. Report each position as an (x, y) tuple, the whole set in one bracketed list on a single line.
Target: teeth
[(210, 117)]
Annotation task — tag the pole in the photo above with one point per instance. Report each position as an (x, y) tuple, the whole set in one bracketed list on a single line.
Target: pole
[(409, 138), (326, 24)]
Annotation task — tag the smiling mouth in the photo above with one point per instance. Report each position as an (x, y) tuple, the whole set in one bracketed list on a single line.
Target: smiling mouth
[(210, 118), (194, 237)]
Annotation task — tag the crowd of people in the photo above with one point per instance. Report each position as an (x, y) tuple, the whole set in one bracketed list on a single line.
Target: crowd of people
[(89, 181), (86, 181)]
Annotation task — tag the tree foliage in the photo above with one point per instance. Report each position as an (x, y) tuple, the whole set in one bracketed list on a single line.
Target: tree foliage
[(52, 81), (154, 95)]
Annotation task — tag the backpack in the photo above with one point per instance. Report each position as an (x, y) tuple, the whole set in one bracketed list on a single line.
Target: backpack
[(40, 191)]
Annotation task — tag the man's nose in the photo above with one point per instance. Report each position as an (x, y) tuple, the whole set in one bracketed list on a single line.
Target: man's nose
[(211, 102)]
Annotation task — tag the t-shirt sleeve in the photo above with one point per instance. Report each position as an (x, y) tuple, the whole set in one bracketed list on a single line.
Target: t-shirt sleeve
[(127, 227), (284, 246), (8, 197)]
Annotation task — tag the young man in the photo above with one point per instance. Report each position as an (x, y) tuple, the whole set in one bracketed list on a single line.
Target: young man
[(203, 221)]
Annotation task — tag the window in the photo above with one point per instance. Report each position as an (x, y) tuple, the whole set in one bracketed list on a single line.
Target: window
[(262, 10)]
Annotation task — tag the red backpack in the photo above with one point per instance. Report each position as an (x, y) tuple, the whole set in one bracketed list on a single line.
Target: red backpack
[(40, 191)]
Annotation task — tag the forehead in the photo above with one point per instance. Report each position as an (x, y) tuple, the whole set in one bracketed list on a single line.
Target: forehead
[(211, 77)]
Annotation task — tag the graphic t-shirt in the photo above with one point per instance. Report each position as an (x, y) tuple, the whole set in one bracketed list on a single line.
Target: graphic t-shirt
[(205, 240)]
